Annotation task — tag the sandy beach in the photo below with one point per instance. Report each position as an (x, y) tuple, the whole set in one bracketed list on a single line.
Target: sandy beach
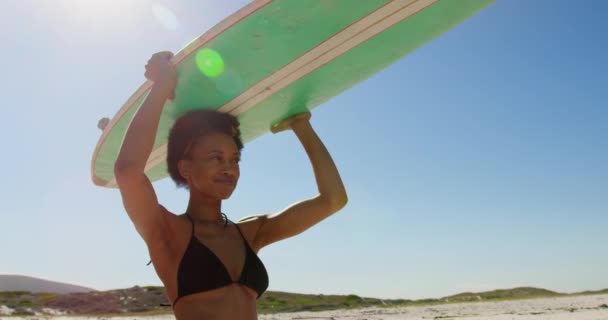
[(591, 307), (594, 307)]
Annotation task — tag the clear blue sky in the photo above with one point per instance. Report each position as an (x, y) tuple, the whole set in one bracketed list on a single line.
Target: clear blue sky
[(477, 162)]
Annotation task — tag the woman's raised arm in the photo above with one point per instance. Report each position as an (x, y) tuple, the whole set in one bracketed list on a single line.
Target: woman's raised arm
[(139, 198)]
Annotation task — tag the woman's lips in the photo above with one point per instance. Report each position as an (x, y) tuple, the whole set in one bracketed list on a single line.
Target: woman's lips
[(225, 181)]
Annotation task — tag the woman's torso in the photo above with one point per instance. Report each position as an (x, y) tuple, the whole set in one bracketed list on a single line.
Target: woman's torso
[(231, 275)]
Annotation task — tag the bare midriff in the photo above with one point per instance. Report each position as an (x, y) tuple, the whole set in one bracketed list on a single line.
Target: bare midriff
[(228, 303)]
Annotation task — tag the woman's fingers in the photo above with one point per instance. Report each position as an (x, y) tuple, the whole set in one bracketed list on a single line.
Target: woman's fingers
[(287, 123)]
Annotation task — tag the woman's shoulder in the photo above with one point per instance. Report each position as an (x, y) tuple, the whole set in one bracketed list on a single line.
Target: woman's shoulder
[(174, 223), (252, 219), (249, 226)]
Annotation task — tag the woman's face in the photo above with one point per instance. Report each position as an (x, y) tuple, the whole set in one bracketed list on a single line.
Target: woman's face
[(212, 167)]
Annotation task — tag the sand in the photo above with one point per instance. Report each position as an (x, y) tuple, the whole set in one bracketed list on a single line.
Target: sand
[(591, 307)]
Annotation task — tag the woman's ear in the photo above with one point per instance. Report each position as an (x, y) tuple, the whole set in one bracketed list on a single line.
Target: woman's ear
[(183, 167)]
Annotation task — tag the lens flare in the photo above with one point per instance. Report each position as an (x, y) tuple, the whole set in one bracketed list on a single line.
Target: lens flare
[(209, 62), (164, 16)]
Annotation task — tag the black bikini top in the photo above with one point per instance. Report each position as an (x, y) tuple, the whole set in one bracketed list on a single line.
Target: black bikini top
[(201, 270)]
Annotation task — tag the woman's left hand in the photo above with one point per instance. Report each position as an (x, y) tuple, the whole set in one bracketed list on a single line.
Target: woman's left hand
[(291, 122)]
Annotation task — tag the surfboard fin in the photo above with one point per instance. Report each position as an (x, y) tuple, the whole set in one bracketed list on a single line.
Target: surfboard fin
[(103, 123)]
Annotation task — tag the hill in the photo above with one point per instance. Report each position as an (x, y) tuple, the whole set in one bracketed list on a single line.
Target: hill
[(31, 284), (515, 293), (152, 300)]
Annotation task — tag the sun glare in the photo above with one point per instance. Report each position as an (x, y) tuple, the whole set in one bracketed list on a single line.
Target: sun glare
[(105, 14), (112, 14), (96, 7), (164, 16)]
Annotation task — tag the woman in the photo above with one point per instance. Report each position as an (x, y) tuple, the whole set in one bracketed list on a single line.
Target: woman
[(208, 264)]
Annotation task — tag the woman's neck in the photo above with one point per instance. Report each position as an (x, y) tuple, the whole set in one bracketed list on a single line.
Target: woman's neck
[(204, 210)]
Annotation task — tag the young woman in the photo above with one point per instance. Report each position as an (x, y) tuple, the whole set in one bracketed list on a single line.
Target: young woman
[(209, 264)]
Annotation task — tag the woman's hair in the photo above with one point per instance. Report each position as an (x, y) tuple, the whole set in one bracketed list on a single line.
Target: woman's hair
[(189, 128)]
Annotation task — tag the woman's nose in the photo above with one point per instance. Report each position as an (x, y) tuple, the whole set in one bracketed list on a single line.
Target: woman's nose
[(228, 167)]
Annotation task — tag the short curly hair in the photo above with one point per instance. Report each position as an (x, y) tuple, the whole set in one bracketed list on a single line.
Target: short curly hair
[(190, 127)]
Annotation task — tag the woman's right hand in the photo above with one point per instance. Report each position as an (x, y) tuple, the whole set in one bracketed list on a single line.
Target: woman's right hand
[(160, 70)]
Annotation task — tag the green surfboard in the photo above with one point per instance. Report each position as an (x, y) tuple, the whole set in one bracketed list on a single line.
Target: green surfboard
[(273, 59)]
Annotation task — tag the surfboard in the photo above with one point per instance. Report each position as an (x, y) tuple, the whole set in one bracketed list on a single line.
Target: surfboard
[(274, 59)]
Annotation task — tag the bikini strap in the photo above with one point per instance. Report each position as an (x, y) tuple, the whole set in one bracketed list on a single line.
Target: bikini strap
[(174, 302), (191, 222), (242, 236)]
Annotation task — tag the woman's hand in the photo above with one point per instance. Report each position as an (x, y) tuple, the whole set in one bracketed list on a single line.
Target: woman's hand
[(292, 122), (160, 70)]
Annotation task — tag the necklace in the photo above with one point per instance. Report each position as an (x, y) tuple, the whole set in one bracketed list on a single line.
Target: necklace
[(224, 220)]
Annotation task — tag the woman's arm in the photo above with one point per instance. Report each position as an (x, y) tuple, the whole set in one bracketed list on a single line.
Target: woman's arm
[(305, 214), (139, 139), (138, 195)]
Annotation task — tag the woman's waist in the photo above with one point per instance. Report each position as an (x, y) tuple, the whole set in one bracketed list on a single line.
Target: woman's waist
[(230, 302)]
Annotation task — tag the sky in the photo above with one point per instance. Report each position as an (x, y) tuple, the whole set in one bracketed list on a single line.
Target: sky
[(478, 162)]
